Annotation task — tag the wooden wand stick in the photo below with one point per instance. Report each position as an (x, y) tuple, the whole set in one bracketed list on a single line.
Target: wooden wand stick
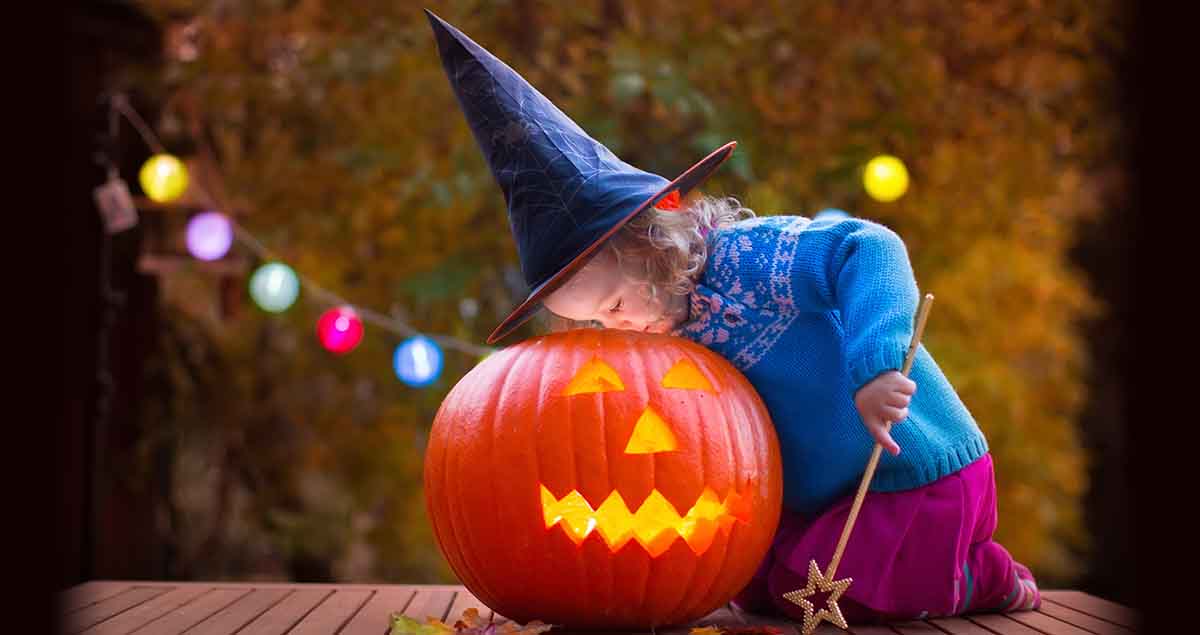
[(826, 582)]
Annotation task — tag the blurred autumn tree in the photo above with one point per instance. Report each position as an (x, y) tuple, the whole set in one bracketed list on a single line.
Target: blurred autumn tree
[(341, 146)]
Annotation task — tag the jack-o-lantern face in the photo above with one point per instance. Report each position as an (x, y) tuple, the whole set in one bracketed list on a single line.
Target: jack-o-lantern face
[(656, 523), (603, 478)]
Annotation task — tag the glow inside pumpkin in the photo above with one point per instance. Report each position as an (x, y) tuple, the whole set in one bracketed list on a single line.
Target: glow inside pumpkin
[(656, 523)]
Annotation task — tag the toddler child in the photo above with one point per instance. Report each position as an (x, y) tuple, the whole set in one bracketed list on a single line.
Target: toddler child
[(818, 315)]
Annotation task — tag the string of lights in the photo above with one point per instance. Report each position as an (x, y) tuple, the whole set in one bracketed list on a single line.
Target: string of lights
[(275, 285)]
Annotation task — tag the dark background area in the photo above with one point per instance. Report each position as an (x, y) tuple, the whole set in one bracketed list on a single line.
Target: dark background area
[(100, 521)]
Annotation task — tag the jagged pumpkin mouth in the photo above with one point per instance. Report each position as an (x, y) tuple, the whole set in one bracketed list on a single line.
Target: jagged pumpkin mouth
[(656, 524)]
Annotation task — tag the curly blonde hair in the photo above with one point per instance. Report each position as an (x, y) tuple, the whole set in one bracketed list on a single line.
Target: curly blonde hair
[(665, 250)]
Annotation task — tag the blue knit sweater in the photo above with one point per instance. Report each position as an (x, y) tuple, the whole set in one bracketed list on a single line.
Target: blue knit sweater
[(809, 312)]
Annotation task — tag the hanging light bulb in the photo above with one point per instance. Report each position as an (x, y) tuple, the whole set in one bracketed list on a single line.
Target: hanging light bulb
[(885, 178), (274, 287), (163, 177), (209, 235), (340, 330), (418, 361)]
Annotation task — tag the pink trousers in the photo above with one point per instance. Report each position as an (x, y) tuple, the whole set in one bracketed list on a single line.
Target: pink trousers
[(925, 552)]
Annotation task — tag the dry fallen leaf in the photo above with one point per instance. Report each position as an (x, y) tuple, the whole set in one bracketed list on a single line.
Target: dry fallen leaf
[(536, 627), (470, 619), (470, 623), (404, 625)]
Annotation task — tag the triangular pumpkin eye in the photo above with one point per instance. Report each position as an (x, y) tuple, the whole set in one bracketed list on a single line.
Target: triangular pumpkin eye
[(684, 374), (650, 435), (594, 376)]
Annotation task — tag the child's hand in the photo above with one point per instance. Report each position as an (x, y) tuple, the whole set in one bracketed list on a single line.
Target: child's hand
[(884, 400)]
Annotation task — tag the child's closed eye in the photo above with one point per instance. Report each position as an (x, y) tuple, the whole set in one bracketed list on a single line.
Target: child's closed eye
[(617, 307)]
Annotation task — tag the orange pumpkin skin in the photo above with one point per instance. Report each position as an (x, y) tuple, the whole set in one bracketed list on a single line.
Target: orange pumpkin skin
[(510, 433)]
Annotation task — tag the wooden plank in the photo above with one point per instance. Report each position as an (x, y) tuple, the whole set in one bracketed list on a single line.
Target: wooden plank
[(463, 600), (1094, 606), (375, 616), (273, 608), (274, 585), (192, 613), (103, 610), (152, 609), (866, 629), (1083, 620), (1045, 623), (430, 602), (722, 616), (330, 615), (233, 617), (734, 616), (287, 613), (785, 626), (88, 593), (959, 626), (915, 628), (998, 623)]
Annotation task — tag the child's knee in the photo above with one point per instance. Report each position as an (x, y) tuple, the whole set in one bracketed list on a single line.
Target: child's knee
[(994, 581)]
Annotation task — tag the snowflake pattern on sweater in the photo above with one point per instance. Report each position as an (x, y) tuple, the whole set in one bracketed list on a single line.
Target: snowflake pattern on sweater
[(748, 319)]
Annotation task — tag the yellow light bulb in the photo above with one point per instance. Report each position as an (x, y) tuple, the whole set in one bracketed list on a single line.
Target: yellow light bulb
[(164, 178), (885, 178)]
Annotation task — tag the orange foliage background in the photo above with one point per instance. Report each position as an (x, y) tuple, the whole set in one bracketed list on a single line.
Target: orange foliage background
[(341, 146)]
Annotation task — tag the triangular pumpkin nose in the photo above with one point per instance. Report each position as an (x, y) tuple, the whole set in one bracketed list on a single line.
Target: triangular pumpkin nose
[(650, 435)]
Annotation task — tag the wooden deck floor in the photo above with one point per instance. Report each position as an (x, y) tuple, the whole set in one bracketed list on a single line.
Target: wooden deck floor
[(220, 608)]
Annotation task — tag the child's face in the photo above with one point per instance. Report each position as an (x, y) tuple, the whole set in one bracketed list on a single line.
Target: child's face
[(602, 293)]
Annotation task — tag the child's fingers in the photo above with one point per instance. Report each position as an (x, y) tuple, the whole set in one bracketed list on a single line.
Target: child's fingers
[(906, 385), (890, 413), (884, 438), (897, 399), (892, 447)]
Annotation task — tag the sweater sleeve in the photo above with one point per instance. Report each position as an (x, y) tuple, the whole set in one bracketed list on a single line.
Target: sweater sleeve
[(860, 269)]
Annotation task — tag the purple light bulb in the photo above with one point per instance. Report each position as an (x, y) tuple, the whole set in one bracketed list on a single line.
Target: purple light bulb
[(209, 235)]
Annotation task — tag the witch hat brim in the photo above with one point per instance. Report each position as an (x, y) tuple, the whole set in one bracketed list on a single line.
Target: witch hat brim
[(683, 184)]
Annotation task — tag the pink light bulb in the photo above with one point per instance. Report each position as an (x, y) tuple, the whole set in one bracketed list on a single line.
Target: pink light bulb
[(340, 330)]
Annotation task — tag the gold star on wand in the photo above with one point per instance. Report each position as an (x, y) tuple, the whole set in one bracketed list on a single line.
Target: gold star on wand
[(830, 612), (825, 583)]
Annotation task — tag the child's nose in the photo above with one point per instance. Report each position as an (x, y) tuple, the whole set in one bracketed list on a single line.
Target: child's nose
[(617, 323)]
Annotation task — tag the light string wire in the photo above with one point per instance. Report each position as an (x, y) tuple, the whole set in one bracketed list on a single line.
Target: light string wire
[(120, 104)]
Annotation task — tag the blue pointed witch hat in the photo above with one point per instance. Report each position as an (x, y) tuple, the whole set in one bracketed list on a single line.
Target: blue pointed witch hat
[(566, 192)]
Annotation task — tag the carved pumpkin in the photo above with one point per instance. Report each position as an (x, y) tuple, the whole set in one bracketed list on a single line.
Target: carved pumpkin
[(603, 479)]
